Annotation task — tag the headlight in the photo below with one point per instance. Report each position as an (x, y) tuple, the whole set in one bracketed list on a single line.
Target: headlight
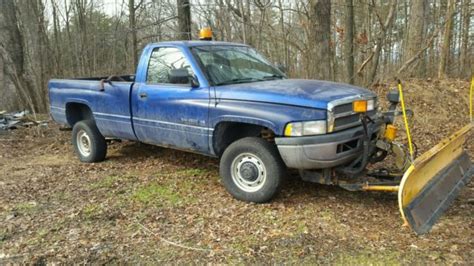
[(305, 128)]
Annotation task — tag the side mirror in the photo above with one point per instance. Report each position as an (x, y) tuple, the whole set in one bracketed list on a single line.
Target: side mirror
[(393, 96), (178, 76), (181, 76), (194, 81), (282, 68)]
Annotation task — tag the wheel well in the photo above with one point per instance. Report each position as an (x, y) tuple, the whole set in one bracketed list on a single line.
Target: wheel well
[(76, 112), (226, 133)]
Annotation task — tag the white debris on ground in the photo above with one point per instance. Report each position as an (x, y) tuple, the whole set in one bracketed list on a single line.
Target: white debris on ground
[(14, 120)]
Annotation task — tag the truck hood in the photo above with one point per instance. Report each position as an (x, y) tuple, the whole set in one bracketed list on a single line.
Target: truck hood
[(298, 92)]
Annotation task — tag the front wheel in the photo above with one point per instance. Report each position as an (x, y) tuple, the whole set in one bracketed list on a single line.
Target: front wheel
[(252, 170), (88, 142)]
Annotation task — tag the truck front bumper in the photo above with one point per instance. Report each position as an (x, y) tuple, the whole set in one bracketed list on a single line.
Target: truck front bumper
[(324, 151)]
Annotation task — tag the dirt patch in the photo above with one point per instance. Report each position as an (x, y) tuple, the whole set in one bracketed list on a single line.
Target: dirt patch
[(152, 205)]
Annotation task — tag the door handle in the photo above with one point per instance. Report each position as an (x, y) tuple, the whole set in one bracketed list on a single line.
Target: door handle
[(143, 95)]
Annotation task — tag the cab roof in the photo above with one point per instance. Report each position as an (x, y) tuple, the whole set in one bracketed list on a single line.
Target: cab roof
[(198, 43)]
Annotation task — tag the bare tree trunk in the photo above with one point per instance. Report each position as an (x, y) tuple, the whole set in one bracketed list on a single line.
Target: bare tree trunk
[(38, 56), (284, 35), (10, 37), (184, 19), (446, 40), (70, 50), (263, 16), (133, 29), (432, 52), (11, 51), (466, 67), (415, 32), (244, 22), (386, 26), (321, 37), (248, 22), (242, 12), (349, 41), (80, 16), (57, 53), (45, 61)]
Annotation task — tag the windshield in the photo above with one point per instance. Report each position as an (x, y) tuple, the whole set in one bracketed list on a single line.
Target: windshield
[(226, 64)]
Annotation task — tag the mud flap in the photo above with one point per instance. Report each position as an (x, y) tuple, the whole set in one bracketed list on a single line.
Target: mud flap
[(434, 180)]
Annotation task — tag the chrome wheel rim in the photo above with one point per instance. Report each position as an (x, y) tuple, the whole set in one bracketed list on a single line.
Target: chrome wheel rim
[(248, 172), (83, 143)]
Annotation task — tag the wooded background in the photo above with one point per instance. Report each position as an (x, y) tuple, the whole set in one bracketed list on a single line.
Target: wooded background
[(354, 41)]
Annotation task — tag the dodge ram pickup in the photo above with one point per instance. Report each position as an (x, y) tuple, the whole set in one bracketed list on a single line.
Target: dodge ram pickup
[(227, 101)]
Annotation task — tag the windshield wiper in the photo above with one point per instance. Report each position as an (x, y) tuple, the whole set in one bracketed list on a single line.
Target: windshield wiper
[(274, 76), (239, 80)]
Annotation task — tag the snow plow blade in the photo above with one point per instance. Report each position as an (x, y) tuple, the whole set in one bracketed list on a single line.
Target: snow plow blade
[(433, 181)]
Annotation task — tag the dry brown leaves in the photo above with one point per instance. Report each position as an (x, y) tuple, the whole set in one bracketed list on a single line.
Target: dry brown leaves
[(55, 209)]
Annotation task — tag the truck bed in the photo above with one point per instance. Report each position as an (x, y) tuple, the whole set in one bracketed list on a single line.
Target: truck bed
[(108, 99)]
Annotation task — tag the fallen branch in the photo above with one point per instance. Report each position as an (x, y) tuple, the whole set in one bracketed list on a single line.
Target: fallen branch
[(168, 241), (418, 55), (362, 66)]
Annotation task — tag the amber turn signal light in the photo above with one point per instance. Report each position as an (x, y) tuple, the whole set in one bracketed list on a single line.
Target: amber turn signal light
[(390, 132), (359, 106)]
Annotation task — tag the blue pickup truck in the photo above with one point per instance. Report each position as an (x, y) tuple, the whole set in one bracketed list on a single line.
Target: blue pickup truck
[(227, 101)]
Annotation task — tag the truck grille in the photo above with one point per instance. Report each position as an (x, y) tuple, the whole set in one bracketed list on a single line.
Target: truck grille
[(341, 116), (349, 121), (343, 108)]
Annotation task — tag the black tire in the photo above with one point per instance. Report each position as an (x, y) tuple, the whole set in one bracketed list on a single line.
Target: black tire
[(257, 152), (97, 146)]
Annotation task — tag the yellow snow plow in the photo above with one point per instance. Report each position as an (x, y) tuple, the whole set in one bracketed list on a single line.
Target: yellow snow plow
[(426, 185), (434, 179)]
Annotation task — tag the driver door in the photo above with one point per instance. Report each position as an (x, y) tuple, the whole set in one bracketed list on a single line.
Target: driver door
[(167, 113)]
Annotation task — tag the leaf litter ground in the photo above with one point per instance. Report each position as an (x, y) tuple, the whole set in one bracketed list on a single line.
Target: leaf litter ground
[(151, 204)]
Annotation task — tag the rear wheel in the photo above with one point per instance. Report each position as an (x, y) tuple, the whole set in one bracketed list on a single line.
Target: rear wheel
[(252, 170), (88, 142)]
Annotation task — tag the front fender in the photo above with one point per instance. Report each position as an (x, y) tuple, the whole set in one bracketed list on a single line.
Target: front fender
[(246, 119), (272, 116)]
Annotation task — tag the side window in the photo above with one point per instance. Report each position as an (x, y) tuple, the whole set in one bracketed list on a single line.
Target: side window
[(163, 60)]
